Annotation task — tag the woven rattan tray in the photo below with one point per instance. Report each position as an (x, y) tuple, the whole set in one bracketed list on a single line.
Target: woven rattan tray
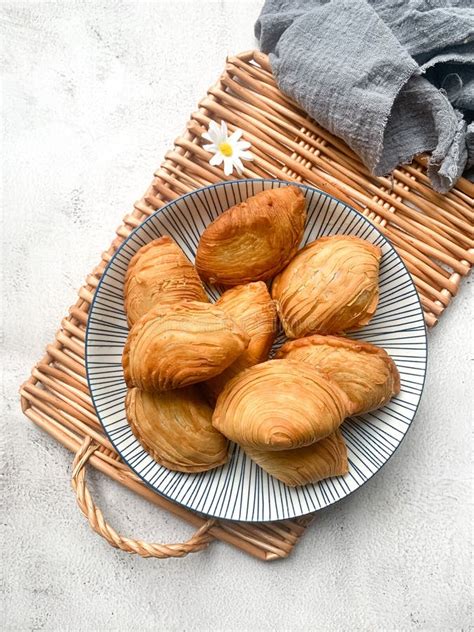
[(433, 233)]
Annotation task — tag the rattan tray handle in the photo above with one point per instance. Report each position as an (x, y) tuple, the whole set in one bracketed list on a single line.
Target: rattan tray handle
[(199, 541)]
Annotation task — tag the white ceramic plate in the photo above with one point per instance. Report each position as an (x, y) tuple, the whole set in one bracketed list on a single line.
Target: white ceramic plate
[(240, 490)]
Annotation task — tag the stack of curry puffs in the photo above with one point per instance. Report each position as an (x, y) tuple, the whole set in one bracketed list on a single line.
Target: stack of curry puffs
[(199, 374)]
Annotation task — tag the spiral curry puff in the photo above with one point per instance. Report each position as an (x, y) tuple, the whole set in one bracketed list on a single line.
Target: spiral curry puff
[(175, 346), (160, 272), (175, 428), (254, 240), (253, 309), (366, 373), (330, 286)]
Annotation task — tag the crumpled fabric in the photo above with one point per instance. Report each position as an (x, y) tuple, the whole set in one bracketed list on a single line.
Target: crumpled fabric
[(392, 78)]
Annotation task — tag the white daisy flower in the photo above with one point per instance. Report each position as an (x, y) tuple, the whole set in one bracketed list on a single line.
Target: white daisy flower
[(227, 149)]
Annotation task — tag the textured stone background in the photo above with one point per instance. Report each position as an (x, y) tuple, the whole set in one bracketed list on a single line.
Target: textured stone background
[(93, 95)]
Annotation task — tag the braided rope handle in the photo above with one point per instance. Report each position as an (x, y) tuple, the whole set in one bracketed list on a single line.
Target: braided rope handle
[(199, 541)]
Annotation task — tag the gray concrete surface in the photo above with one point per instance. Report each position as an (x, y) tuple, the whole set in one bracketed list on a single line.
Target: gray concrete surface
[(93, 95)]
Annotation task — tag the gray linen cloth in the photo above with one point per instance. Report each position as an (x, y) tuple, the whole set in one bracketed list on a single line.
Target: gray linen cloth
[(392, 78)]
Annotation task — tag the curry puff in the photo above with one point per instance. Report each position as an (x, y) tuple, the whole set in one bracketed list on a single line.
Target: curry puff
[(160, 272), (366, 373), (253, 309), (171, 347), (254, 240), (310, 464), (280, 405), (175, 429), (330, 286)]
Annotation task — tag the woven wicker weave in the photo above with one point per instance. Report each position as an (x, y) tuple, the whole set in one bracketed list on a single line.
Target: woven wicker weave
[(433, 233)]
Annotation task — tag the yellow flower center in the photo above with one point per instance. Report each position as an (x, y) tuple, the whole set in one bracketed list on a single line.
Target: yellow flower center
[(225, 149)]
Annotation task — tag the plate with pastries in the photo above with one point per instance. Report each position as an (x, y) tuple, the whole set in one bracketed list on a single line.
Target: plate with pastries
[(256, 350)]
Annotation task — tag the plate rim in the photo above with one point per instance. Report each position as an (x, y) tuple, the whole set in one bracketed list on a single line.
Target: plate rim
[(158, 212)]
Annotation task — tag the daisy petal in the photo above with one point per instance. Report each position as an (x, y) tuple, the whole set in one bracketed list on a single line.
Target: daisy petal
[(206, 136), (212, 147), (238, 165), (214, 131), (243, 144), (214, 127), (223, 129), (228, 166), (234, 137), (216, 159), (246, 155)]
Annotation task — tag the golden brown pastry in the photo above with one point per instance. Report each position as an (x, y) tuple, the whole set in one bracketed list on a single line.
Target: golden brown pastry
[(254, 240), (366, 373), (330, 286), (175, 429), (310, 464), (160, 272), (251, 307), (171, 347), (280, 405)]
